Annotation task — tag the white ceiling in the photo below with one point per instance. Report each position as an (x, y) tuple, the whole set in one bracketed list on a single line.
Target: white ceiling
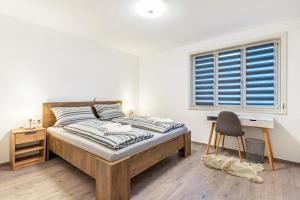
[(114, 23)]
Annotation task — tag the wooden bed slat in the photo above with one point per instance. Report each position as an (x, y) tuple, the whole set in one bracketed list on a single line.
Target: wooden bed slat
[(149, 157)]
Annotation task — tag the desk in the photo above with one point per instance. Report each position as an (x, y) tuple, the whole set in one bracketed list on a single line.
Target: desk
[(265, 123)]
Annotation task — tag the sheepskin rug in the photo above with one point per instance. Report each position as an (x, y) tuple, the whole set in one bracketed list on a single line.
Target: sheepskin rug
[(234, 167)]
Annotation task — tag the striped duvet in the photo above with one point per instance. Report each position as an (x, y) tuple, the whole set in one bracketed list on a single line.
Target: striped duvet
[(93, 130), (147, 123)]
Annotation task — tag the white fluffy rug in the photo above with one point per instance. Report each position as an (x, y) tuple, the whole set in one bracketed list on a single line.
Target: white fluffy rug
[(234, 167)]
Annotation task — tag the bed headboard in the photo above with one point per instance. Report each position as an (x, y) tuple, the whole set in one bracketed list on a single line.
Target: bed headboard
[(49, 117)]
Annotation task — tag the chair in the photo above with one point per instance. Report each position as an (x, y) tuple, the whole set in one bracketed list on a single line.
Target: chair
[(228, 124)]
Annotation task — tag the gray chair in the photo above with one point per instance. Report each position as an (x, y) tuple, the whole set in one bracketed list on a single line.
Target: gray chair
[(228, 124)]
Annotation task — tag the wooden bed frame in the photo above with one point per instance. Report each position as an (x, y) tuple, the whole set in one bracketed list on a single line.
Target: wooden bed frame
[(112, 178)]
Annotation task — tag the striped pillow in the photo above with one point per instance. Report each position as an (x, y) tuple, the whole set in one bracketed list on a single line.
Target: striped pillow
[(109, 111), (70, 115)]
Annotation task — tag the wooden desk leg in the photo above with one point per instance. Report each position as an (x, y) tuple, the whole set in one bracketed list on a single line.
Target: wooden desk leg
[(268, 147), (210, 136)]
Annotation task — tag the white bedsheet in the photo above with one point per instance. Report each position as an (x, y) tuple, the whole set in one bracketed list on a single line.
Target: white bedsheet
[(109, 154)]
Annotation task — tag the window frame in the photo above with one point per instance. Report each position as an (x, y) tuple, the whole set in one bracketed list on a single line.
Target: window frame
[(280, 76)]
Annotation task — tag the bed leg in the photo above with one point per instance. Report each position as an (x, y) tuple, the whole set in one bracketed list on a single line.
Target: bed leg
[(187, 145), (186, 150), (112, 180)]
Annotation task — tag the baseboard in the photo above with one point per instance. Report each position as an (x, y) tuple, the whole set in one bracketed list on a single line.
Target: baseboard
[(4, 164), (266, 157)]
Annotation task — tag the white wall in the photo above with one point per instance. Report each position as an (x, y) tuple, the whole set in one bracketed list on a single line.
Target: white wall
[(39, 65), (164, 88)]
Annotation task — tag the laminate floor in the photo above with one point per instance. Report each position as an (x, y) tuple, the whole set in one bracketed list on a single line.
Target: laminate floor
[(175, 178)]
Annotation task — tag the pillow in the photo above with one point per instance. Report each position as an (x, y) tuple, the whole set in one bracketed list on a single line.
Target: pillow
[(70, 115), (108, 111)]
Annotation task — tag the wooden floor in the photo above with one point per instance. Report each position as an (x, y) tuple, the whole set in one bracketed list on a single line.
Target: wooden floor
[(172, 179)]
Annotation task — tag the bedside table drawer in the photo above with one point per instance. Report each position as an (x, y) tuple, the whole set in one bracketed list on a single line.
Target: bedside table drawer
[(29, 136)]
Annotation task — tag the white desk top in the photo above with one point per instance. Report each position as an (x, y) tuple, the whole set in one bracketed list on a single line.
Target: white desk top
[(248, 120)]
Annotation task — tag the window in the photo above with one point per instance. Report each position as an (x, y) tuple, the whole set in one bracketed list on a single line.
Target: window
[(243, 78)]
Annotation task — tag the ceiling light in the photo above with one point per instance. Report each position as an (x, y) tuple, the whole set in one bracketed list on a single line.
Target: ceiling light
[(150, 8)]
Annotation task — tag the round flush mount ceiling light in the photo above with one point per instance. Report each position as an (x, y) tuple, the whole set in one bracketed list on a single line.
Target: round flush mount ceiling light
[(150, 8)]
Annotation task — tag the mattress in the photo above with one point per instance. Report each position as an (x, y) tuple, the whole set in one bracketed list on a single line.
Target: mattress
[(109, 154)]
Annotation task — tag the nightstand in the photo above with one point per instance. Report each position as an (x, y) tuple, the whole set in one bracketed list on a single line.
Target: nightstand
[(27, 147)]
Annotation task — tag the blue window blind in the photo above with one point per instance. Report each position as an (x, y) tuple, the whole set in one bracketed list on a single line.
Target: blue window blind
[(245, 77), (229, 78), (260, 75), (204, 80)]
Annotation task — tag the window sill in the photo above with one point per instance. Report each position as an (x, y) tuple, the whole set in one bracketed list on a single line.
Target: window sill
[(242, 110)]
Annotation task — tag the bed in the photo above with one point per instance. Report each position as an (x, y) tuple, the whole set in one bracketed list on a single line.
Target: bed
[(111, 169)]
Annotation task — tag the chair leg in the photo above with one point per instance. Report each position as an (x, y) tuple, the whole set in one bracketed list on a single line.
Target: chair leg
[(218, 143), (215, 140), (243, 144), (223, 142), (238, 148)]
